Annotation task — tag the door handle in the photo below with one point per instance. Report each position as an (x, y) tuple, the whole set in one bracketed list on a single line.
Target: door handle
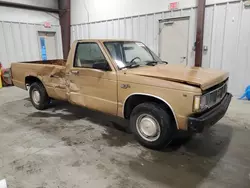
[(75, 72)]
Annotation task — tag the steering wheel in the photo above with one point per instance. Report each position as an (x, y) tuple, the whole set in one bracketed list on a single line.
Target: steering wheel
[(134, 60)]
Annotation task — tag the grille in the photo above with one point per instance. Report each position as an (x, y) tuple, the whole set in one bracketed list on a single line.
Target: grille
[(216, 95)]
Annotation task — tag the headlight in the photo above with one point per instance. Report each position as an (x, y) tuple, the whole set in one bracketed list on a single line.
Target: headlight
[(200, 103), (197, 102)]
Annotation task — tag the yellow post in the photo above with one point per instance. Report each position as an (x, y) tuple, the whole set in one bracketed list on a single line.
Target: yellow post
[(1, 85)]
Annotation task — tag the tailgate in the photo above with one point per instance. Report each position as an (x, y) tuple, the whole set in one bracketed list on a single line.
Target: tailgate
[(18, 74)]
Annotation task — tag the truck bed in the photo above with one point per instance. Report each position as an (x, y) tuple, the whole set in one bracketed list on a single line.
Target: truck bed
[(60, 62), (51, 73)]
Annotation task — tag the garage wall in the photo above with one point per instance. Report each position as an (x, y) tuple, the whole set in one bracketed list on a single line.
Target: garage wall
[(27, 16), (19, 31), (227, 35), (96, 10), (19, 41), (30, 16), (39, 3)]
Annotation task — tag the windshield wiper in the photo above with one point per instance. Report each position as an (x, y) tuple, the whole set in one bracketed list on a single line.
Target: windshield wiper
[(153, 63), (132, 65)]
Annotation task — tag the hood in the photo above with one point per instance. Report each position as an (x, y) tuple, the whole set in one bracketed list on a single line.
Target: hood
[(195, 76)]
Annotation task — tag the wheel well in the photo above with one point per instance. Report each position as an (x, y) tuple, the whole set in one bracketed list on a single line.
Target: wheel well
[(31, 79), (137, 99)]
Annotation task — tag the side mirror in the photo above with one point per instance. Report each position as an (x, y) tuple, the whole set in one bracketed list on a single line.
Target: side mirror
[(101, 65)]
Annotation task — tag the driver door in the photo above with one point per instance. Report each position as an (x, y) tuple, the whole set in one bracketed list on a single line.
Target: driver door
[(90, 86)]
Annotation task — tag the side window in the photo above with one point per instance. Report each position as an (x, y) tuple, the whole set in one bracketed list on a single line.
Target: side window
[(88, 54)]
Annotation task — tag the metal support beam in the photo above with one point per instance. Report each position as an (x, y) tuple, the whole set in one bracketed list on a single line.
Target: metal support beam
[(30, 7), (64, 6), (200, 32)]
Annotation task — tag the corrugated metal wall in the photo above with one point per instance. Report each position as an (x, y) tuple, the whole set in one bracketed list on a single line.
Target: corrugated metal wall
[(19, 41), (41, 3), (227, 35)]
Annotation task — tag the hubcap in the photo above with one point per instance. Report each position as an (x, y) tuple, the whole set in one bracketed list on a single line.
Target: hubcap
[(36, 96), (148, 127)]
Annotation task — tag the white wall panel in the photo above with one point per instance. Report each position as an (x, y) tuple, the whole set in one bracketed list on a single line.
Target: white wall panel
[(3, 46), (25, 41), (73, 33), (208, 35), (40, 3), (227, 35), (84, 11), (92, 30), (244, 47), (150, 31), (116, 28), (129, 28), (19, 42), (19, 31), (157, 17), (122, 28), (27, 16), (9, 43), (103, 29), (136, 28), (230, 60), (81, 32), (110, 29), (167, 14), (34, 41), (218, 36), (142, 29)]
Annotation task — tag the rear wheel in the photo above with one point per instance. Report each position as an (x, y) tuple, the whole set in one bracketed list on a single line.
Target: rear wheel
[(39, 96), (152, 125)]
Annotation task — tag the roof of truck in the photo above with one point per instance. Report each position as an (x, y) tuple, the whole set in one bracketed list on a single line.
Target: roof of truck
[(105, 40)]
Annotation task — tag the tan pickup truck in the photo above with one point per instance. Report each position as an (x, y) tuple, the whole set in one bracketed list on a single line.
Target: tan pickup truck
[(126, 79)]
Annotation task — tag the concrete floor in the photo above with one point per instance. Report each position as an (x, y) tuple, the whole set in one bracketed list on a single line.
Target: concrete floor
[(69, 147)]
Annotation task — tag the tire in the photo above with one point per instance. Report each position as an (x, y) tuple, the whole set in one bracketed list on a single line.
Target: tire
[(162, 121), (42, 102)]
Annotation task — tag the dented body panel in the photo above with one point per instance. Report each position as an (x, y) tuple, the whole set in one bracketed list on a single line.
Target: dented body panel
[(51, 73), (195, 76), (108, 91)]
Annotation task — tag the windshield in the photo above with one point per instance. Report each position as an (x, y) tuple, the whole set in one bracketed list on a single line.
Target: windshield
[(129, 53)]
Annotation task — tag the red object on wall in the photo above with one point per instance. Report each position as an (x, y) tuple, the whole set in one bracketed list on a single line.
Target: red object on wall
[(174, 6), (47, 25)]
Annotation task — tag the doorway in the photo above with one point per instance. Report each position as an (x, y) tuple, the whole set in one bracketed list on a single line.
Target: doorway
[(173, 41), (48, 47)]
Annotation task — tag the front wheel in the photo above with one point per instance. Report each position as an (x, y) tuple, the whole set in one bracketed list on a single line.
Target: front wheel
[(152, 125), (39, 96)]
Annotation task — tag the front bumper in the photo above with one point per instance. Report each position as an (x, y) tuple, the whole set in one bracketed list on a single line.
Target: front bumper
[(197, 122)]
